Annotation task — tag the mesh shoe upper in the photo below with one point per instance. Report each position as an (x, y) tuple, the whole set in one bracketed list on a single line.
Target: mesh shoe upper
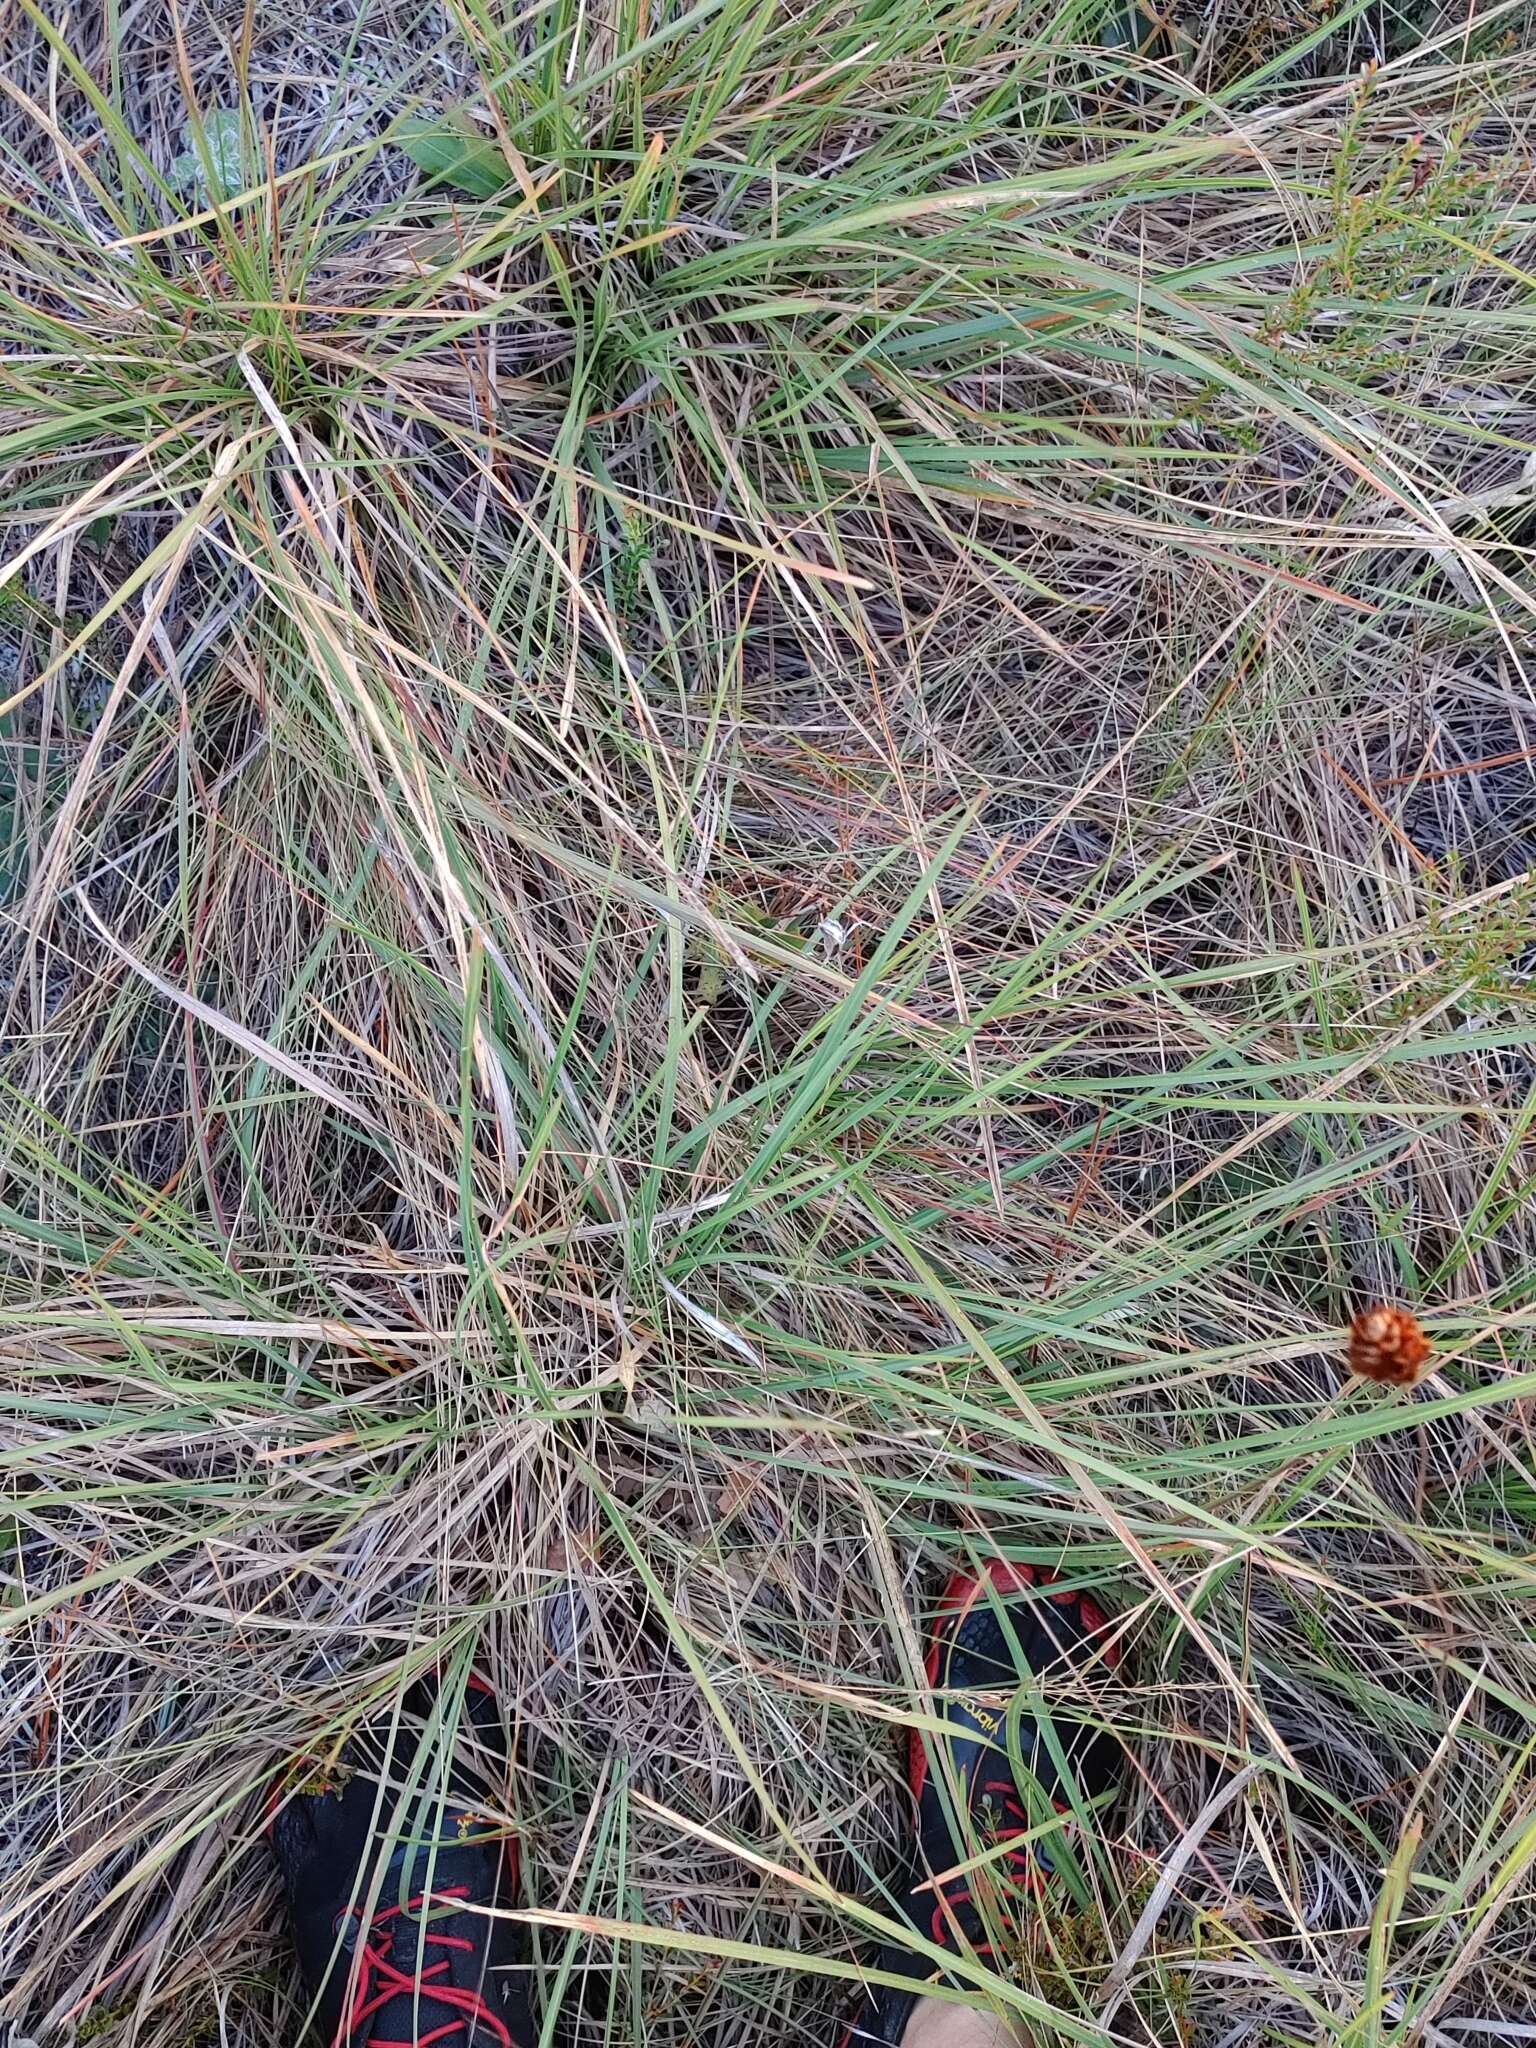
[(994, 1629), (384, 1860)]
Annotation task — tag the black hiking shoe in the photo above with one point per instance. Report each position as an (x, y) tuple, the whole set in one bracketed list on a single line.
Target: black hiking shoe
[(384, 1858), (993, 1628)]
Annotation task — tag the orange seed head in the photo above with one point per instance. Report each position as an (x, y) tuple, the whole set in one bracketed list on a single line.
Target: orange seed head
[(1389, 1345)]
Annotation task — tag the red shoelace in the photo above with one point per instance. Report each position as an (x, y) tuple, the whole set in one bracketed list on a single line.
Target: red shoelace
[(378, 1981), (1010, 1824)]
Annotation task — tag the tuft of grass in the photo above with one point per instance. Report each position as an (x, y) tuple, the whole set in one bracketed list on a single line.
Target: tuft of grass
[(766, 809)]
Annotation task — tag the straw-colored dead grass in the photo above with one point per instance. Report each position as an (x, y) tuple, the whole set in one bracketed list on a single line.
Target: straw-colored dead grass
[(780, 837)]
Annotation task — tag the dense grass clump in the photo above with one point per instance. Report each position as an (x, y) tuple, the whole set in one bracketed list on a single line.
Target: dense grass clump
[(766, 818)]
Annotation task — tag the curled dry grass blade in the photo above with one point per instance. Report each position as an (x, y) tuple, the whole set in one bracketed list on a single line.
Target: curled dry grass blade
[(765, 814)]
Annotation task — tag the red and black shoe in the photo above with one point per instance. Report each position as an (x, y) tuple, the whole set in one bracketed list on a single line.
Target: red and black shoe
[(994, 1628), (384, 1857)]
